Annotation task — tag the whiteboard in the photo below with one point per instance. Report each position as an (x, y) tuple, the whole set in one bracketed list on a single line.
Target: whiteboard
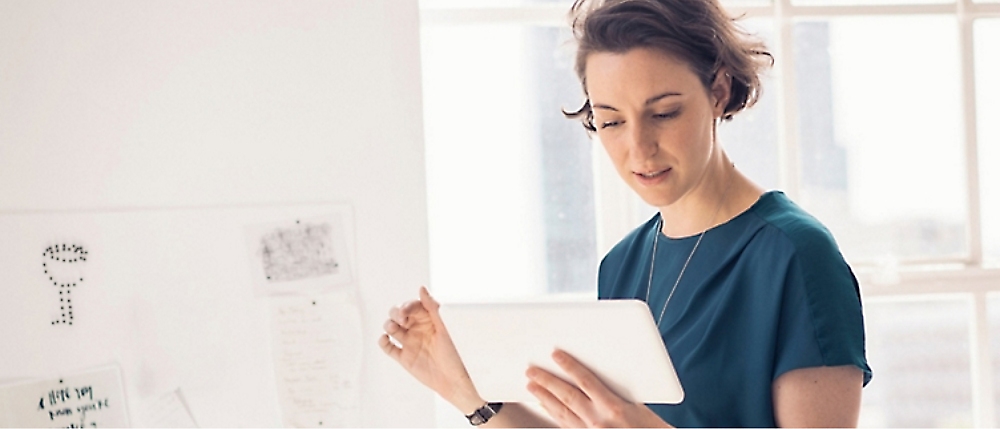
[(152, 134)]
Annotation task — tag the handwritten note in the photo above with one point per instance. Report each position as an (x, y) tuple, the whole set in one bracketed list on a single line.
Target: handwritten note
[(299, 256), (317, 354), (91, 399)]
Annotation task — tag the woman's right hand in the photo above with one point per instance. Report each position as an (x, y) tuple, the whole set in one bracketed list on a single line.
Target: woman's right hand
[(426, 351)]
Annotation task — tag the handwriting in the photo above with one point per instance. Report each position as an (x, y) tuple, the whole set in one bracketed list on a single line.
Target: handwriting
[(62, 402), (59, 396)]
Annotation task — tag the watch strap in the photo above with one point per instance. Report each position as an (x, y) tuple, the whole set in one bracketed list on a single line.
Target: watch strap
[(484, 413)]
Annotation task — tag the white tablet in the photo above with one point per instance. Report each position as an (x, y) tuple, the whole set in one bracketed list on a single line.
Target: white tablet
[(617, 339)]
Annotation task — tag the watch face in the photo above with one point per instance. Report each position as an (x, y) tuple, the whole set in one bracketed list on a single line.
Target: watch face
[(482, 415), (477, 418)]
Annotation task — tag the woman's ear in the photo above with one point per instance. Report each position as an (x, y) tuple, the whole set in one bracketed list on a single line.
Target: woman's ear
[(721, 90)]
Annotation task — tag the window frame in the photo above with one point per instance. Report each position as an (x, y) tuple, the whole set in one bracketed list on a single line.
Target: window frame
[(938, 277)]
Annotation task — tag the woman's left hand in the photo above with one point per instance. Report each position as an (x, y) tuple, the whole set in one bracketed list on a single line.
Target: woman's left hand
[(588, 404)]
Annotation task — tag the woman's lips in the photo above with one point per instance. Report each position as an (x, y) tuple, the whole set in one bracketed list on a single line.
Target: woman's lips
[(653, 177)]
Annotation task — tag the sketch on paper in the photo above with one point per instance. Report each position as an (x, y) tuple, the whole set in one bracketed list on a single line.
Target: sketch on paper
[(299, 252), (300, 255), (63, 265)]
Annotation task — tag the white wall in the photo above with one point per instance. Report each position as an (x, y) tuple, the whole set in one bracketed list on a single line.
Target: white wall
[(141, 107)]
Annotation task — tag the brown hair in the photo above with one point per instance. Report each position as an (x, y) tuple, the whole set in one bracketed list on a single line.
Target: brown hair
[(698, 31)]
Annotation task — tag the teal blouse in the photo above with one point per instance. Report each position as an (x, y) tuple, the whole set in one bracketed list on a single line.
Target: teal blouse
[(765, 293)]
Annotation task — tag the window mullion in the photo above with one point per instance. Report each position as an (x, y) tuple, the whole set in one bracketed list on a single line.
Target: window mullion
[(870, 10), (902, 283), (974, 220), (614, 202), (981, 10), (982, 369), (787, 115)]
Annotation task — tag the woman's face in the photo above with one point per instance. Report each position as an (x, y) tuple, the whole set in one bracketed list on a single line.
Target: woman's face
[(655, 119)]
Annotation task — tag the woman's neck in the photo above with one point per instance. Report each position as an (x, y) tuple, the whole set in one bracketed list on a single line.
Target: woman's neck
[(721, 195)]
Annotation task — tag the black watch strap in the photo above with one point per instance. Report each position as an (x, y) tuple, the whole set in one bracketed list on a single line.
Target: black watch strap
[(484, 413)]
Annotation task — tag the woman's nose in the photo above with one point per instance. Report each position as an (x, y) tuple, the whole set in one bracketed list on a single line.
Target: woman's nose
[(642, 141)]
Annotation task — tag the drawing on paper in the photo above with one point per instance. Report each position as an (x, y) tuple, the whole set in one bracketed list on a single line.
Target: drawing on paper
[(299, 252), (299, 255), (63, 266)]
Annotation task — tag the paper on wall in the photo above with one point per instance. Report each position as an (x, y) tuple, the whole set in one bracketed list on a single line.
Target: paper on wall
[(89, 399), (300, 255), (317, 345), (167, 411)]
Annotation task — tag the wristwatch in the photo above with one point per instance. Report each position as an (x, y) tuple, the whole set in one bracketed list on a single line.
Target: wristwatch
[(484, 413)]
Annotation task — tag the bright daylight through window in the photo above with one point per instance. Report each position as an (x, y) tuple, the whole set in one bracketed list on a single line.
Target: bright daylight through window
[(878, 118)]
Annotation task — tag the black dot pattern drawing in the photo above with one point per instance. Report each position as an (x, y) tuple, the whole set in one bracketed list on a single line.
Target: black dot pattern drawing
[(302, 251), (62, 265)]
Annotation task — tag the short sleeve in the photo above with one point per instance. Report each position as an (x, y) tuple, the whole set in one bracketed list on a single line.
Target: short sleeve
[(821, 321)]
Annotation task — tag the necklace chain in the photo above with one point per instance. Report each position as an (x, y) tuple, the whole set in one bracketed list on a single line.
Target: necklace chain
[(652, 260)]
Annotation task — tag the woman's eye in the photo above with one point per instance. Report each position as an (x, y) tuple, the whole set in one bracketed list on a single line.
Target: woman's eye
[(608, 124), (667, 115)]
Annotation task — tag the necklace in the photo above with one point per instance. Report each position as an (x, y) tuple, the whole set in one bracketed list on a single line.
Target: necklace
[(652, 260)]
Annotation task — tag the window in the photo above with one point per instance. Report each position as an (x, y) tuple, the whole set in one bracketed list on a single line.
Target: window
[(878, 118), (987, 55), (919, 350), (510, 180)]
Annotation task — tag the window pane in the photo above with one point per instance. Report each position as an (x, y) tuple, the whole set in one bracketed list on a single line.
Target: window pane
[(510, 183), (987, 43), (919, 354), (881, 151), (751, 138)]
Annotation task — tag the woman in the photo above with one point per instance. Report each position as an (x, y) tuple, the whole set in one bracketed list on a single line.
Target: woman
[(760, 313)]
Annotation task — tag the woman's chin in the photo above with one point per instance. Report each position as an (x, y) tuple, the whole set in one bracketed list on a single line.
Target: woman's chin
[(656, 199)]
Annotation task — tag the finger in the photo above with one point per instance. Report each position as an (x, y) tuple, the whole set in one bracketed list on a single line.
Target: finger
[(404, 313), (394, 330), (562, 414), (585, 379), (431, 305), (400, 334), (401, 313), (389, 348), (568, 394), (395, 314)]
